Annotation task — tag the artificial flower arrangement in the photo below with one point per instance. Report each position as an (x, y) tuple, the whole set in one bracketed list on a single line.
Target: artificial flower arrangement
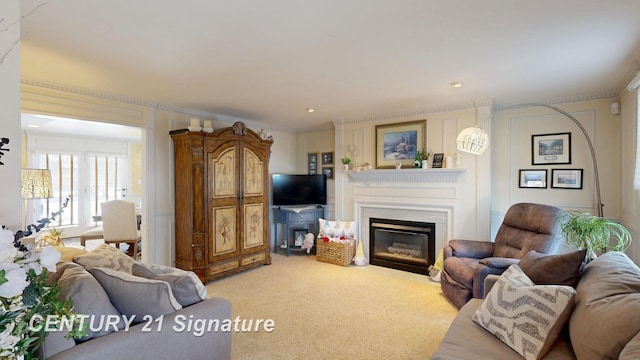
[(340, 239), (25, 292)]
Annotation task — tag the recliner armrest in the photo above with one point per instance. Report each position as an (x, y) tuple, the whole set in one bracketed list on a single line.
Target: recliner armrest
[(469, 249), (489, 281), (499, 262)]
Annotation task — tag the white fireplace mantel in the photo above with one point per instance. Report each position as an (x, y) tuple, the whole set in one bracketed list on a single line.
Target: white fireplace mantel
[(406, 175)]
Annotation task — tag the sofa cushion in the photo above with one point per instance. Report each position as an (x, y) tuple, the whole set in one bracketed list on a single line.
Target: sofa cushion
[(105, 256), (544, 269), (87, 295), (137, 296), (526, 317), (607, 312), (185, 285), (631, 351)]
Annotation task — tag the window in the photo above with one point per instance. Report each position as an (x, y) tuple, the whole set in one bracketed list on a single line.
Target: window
[(64, 181)]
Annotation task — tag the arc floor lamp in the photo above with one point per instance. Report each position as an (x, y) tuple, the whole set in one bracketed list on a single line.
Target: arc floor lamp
[(475, 140)]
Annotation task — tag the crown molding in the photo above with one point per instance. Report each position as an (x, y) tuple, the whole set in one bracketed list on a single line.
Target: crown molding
[(562, 100)]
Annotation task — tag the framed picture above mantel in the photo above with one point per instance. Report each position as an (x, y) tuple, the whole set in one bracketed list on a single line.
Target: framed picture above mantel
[(399, 142)]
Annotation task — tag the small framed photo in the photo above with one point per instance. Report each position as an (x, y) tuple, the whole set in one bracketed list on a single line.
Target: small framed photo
[(298, 237), (328, 171), (566, 178), (533, 179), (327, 158), (437, 160), (551, 149)]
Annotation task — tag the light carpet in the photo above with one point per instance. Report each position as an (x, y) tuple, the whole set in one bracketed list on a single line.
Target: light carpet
[(326, 311)]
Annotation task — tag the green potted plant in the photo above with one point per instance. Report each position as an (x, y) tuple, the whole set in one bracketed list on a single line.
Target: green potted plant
[(345, 163), (420, 157), (595, 234)]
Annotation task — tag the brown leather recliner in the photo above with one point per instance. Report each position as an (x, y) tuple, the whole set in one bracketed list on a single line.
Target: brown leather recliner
[(525, 227)]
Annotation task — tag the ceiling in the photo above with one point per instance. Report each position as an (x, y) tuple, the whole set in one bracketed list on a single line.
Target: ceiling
[(351, 60)]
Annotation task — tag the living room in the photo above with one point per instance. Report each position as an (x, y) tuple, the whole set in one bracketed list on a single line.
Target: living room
[(51, 79)]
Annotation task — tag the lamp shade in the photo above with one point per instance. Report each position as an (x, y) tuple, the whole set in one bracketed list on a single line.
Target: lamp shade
[(36, 184), (473, 140)]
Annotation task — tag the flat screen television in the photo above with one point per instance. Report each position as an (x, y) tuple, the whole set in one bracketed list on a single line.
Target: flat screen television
[(295, 189)]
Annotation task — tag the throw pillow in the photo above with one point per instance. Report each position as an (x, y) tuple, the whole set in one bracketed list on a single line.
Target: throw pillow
[(563, 269), (185, 285), (525, 316), (329, 228), (137, 296), (88, 297), (105, 256)]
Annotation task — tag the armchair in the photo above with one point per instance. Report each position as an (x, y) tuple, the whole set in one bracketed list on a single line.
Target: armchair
[(525, 227)]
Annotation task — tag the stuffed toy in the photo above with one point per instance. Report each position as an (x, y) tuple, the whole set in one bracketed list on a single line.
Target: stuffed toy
[(360, 259), (308, 242)]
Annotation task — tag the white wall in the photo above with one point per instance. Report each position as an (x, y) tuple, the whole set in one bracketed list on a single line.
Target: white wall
[(11, 204), (443, 127), (630, 207)]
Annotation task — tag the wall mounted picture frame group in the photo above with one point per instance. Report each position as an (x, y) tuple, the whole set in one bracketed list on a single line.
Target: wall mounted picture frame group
[(399, 142), (551, 149), (533, 178), (312, 161), (566, 178)]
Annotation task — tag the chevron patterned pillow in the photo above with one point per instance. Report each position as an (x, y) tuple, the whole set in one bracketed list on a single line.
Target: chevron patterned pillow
[(525, 316)]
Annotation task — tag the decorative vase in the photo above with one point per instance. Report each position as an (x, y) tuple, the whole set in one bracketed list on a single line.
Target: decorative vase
[(345, 167), (425, 164)]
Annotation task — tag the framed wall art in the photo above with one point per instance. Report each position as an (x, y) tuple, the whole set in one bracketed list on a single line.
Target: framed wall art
[(312, 163), (399, 142), (328, 171), (533, 179), (551, 149), (327, 158), (566, 178)]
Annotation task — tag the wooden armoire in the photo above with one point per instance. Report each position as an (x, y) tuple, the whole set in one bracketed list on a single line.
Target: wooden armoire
[(221, 200)]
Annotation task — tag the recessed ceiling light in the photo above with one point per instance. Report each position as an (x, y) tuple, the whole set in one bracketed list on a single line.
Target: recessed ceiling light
[(456, 84), (310, 110), (33, 126)]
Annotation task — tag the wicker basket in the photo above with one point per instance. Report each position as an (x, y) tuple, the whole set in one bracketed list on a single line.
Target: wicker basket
[(335, 252)]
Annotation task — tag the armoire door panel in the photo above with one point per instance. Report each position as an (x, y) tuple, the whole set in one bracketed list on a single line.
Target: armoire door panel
[(253, 226), (223, 232), (253, 179), (224, 168)]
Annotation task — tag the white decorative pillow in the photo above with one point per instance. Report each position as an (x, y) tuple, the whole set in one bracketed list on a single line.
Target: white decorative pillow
[(525, 316), (330, 228), (349, 229), (137, 296), (186, 286), (105, 256)]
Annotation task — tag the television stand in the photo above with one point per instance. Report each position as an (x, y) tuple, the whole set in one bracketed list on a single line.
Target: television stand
[(296, 219)]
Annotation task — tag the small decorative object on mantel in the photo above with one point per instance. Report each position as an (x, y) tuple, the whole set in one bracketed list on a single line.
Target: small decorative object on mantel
[(437, 160), (345, 163), (3, 142)]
